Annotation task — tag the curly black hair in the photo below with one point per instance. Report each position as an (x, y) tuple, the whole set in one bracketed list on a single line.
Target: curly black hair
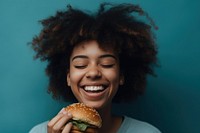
[(112, 26)]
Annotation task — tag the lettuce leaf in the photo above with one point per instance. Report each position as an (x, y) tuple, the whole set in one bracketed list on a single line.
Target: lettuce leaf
[(81, 125)]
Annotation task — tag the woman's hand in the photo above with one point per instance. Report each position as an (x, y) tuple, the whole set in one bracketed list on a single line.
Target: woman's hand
[(58, 123)]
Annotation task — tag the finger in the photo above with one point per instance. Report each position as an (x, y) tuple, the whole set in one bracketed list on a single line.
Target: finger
[(67, 128), (61, 122), (55, 119), (51, 124), (62, 110)]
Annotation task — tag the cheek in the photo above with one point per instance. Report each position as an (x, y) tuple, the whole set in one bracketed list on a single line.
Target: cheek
[(112, 76), (75, 76)]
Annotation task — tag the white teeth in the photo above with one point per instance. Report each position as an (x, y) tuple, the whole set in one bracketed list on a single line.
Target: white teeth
[(94, 88)]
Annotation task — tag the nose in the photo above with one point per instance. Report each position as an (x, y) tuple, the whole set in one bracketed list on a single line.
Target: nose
[(93, 73)]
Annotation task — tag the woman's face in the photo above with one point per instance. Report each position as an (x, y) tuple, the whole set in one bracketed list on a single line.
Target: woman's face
[(94, 74)]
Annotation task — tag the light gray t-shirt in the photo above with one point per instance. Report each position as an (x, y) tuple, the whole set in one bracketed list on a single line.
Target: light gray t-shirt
[(129, 125)]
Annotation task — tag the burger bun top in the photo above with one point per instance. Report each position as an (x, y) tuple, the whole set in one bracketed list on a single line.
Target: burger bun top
[(84, 113)]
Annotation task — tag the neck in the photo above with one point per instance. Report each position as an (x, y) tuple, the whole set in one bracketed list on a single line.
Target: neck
[(110, 123)]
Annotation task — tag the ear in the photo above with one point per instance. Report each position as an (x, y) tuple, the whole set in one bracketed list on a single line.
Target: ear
[(121, 80), (68, 79)]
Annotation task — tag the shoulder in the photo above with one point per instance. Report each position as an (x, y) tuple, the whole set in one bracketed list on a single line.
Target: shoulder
[(40, 128), (130, 125)]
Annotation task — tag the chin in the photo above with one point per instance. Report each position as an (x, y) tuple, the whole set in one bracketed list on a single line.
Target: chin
[(98, 105)]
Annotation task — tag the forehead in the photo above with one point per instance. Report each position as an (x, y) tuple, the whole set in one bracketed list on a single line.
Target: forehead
[(93, 46)]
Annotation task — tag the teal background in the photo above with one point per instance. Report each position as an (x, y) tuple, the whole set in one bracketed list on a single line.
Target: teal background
[(172, 99)]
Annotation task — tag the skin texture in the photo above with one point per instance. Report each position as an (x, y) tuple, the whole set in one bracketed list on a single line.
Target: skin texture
[(91, 66)]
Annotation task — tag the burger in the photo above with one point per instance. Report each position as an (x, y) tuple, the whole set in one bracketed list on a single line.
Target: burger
[(84, 119)]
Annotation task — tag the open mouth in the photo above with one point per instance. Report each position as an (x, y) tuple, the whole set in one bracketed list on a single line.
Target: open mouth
[(94, 89)]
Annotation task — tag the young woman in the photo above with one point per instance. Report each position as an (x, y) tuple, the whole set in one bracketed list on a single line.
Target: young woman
[(97, 59)]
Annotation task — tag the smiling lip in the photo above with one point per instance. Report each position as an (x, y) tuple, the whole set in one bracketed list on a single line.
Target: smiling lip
[(94, 92)]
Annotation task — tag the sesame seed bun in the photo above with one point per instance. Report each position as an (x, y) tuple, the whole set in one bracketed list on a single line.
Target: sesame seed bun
[(84, 113)]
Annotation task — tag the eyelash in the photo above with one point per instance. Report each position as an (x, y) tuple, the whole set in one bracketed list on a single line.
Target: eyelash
[(81, 67), (104, 66), (108, 66)]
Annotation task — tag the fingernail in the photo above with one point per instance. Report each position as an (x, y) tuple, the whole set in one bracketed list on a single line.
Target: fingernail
[(69, 114), (62, 110)]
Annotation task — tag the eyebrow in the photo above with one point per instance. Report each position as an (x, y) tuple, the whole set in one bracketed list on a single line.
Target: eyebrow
[(108, 55), (102, 56), (79, 56)]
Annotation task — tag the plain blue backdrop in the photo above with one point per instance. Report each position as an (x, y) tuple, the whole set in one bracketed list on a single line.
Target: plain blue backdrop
[(172, 99)]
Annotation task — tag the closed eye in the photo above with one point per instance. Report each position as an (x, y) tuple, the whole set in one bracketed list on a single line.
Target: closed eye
[(80, 67), (107, 65)]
